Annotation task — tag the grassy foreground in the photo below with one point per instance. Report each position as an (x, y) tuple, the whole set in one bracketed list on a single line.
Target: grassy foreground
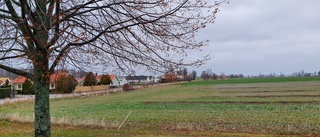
[(200, 108), (18, 129)]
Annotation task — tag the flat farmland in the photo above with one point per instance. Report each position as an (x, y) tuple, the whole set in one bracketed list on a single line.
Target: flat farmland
[(233, 107)]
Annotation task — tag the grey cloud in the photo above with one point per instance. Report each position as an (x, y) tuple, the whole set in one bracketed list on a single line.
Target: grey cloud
[(265, 36)]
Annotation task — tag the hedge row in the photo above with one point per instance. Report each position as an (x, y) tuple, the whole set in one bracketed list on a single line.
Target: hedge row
[(5, 92)]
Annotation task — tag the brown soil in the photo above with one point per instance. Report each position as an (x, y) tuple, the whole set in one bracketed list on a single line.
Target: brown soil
[(232, 102), (239, 87), (264, 91), (275, 96)]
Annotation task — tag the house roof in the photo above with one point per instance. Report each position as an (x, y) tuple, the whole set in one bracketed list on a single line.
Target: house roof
[(2, 82), (84, 77), (137, 77), (19, 79), (53, 77), (112, 76), (4, 78), (80, 79), (98, 78)]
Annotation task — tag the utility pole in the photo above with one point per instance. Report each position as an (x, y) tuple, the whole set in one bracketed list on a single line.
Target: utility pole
[(11, 84)]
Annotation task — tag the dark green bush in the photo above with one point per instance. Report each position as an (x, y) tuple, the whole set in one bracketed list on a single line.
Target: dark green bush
[(5, 92), (27, 87)]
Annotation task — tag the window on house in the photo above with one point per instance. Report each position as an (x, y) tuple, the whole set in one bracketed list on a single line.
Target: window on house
[(19, 86), (52, 86)]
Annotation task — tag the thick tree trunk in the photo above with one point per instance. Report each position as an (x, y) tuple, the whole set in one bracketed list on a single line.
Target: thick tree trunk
[(41, 82)]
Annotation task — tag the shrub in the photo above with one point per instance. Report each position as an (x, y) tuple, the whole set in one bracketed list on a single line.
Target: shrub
[(90, 80), (65, 84), (6, 85), (27, 87), (163, 80), (127, 87), (5, 92), (105, 80)]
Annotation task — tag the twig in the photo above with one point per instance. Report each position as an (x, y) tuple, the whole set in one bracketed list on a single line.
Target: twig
[(124, 120)]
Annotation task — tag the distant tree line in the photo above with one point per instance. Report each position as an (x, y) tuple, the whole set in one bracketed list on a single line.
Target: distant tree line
[(302, 73), (208, 74), (235, 76), (91, 80), (179, 75)]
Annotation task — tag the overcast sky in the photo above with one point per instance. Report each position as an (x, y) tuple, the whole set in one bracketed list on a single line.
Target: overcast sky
[(264, 36)]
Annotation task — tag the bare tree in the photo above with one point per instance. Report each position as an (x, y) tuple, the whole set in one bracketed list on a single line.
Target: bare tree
[(44, 34), (194, 74), (204, 75)]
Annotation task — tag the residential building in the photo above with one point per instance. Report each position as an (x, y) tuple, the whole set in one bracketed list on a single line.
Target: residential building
[(3, 81), (17, 83), (123, 80), (141, 79), (115, 82), (80, 81), (55, 76)]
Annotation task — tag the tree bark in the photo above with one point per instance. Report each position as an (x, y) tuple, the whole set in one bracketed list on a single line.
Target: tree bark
[(41, 82)]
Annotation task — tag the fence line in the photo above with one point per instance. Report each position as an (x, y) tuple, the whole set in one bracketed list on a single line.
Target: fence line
[(91, 88)]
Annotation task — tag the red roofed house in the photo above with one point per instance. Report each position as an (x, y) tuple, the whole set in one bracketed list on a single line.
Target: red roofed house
[(81, 80), (98, 78), (223, 77), (54, 77), (17, 83), (115, 82)]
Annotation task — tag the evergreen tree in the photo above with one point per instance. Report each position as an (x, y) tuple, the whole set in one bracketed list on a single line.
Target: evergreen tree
[(27, 88), (6, 84), (194, 75)]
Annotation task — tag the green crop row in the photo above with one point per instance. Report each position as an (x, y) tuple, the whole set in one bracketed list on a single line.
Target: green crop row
[(264, 108), (255, 80)]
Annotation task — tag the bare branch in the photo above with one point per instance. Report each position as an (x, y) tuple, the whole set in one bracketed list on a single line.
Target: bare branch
[(16, 71)]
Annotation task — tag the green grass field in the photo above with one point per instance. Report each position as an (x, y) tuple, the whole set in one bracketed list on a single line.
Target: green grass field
[(233, 107), (256, 80)]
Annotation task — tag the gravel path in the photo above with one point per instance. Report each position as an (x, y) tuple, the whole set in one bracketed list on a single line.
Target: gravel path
[(2, 101), (19, 98)]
